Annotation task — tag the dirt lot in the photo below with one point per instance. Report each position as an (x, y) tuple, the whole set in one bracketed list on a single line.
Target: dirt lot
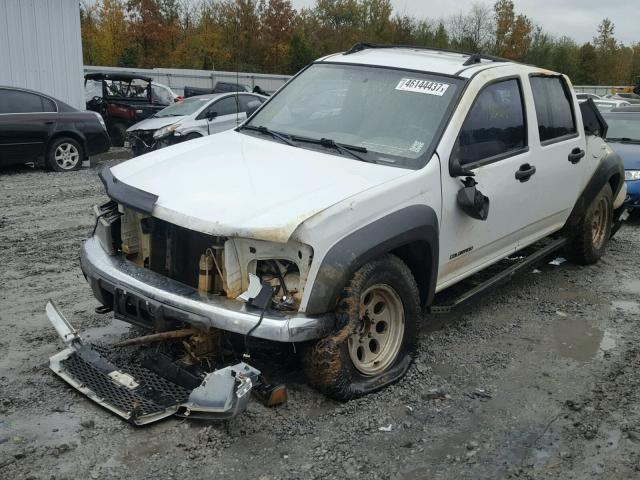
[(539, 380)]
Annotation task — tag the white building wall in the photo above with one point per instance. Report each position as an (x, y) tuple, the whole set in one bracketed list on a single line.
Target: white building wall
[(41, 48)]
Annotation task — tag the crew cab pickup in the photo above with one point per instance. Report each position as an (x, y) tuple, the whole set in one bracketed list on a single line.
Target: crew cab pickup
[(373, 181)]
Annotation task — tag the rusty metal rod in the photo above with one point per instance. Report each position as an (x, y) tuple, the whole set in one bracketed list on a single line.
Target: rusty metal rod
[(156, 337)]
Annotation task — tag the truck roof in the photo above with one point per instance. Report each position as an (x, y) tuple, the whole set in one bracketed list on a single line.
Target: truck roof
[(419, 58)]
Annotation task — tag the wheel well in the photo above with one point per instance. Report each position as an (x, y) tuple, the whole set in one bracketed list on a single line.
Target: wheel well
[(614, 181), (72, 135), (418, 257)]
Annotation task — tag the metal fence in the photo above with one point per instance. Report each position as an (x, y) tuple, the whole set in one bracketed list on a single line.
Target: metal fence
[(596, 89), (177, 79)]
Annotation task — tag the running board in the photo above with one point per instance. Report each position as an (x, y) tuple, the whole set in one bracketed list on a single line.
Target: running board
[(453, 297)]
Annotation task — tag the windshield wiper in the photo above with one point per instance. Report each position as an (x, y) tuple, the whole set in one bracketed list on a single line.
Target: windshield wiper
[(265, 130), (340, 147)]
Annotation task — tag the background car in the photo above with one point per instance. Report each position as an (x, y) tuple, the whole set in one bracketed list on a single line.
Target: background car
[(586, 96), (124, 99), (38, 128), (632, 98), (624, 137), (604, 105), (192, 118)]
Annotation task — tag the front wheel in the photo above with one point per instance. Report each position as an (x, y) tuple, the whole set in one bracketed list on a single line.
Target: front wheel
[(589, 239), (376, 336)]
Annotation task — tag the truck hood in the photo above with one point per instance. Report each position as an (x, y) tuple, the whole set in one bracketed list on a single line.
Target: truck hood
[(629, 152), (240, 185), (152, 123)]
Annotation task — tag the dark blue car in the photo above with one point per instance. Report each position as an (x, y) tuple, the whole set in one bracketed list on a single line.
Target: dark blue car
[(624, 137)]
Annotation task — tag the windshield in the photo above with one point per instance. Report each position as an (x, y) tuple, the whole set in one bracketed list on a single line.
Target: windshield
[(186, 107), (623, 127), (391, 116)]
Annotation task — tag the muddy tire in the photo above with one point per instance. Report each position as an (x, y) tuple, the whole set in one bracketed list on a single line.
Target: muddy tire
[(375, 339), (65, 155), (592, 233)]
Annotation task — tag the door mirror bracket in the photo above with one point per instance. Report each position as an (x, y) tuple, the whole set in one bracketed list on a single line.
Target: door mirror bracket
[(457, 170)]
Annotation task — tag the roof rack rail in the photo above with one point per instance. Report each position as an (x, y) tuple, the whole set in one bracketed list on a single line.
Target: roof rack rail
[(473, 57)]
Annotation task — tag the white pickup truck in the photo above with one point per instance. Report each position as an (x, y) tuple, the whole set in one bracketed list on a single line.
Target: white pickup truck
[(369, 184)]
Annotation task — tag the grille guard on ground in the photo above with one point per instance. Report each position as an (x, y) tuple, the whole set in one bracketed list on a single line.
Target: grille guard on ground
[(139, 395)]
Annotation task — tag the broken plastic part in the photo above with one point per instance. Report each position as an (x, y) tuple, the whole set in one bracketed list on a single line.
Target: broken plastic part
[(222, 394), (66, 332)]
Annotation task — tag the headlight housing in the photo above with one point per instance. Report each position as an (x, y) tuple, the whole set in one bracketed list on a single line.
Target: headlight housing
[(632, 174), (165, 131), (285, 266)]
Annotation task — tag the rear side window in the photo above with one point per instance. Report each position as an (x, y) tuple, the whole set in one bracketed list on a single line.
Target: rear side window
[(495, 125), (16, 101), (554, 108), (248, 102)]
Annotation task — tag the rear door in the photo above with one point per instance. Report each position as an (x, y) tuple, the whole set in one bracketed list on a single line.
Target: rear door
[(560, 149), (26, 121)]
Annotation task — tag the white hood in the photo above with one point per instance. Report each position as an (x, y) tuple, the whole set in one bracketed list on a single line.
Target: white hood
[(154, 123), (239, 185)]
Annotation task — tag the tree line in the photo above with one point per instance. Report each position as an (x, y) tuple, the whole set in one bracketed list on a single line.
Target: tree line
[(270, 36)]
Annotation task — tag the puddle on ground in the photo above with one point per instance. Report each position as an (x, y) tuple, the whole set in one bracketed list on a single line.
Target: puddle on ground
[(112, 331), (575, 338)]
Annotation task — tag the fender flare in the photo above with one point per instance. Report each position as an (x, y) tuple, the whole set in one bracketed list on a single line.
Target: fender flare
[(344, 258), (610, 166)]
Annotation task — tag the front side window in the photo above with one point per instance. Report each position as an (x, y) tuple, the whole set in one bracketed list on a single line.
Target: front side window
[(554, 108), (495, 126), (16, 101), (388, 115)]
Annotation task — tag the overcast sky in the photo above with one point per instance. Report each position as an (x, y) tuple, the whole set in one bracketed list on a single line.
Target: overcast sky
[(578, 19)]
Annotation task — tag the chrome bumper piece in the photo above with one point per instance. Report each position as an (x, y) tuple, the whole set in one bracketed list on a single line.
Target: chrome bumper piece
[(114, 274)]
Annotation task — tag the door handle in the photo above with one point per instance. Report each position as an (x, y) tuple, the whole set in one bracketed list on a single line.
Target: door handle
[(525, 172), (49, 122), (575, 155)]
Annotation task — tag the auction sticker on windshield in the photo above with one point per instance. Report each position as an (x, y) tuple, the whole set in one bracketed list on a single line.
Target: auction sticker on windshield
[(422, 86)]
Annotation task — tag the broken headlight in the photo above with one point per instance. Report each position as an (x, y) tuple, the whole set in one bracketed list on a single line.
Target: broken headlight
[(284, 266), (165, 131)]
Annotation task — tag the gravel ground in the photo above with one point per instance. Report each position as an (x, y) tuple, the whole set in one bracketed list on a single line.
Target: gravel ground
[(540, 380)]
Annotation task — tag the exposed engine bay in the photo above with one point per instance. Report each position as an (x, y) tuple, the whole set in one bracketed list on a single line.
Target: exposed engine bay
[(212, 264)]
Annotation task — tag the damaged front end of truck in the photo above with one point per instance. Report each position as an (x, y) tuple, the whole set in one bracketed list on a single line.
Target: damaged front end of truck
[(200, 300)]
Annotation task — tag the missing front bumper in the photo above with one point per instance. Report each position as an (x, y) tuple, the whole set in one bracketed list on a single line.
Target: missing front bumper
[(139, 392)]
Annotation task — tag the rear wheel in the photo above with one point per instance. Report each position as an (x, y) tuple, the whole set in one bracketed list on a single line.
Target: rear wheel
[(592, 233), (373, 345), (65, 154)]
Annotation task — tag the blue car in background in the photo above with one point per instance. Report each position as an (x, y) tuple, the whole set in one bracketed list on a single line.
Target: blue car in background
[(624, 137)]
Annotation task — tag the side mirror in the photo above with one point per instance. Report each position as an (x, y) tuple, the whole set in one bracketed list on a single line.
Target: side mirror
[(211, 115), (252, 110), (457, 170), (472, 201)]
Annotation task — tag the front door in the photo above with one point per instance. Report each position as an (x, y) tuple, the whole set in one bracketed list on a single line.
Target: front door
[(493, 143)]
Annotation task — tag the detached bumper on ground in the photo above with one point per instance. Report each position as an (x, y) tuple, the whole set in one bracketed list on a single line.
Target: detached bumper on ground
[(139, 293)]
